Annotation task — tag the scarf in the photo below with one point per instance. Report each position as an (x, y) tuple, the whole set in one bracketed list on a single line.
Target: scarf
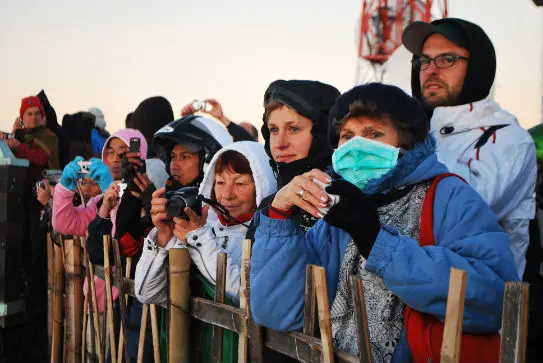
[(384, 309)]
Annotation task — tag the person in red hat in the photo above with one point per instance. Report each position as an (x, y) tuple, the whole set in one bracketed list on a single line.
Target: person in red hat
[(34, 141)]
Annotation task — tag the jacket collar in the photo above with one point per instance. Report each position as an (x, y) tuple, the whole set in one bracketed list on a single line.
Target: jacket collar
[(456, 119), (415, 166)]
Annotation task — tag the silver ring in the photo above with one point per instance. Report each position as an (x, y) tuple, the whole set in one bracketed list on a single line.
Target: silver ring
[(301, 193)]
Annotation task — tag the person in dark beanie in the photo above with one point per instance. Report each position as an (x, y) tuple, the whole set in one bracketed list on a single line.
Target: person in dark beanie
[(52, 124), (381, 227), (79, 128), (295, 133), (150, 116), (454, 65)]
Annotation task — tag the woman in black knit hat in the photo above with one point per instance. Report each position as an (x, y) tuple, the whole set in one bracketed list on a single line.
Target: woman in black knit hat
[(295, 133)]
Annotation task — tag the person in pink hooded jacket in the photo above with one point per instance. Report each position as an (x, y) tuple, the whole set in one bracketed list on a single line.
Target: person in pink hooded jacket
[(69, 219)]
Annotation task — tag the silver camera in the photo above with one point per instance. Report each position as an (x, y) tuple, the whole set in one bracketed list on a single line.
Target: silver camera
[(201, 106), (84, 166), (122, 188)]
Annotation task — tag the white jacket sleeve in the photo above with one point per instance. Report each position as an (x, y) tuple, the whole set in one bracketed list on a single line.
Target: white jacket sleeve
[(151, 280), (204, 249)]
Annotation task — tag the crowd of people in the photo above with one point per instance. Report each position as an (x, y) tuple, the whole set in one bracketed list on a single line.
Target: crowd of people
[(392, 188)]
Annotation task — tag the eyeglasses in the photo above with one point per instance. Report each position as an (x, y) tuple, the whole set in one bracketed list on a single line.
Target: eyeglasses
[(441, 61)]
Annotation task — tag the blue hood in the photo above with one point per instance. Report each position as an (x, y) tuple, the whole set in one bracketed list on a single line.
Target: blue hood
[(415, 166)]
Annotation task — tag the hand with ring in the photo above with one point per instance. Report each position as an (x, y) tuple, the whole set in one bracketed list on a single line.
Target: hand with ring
[(304, 193)]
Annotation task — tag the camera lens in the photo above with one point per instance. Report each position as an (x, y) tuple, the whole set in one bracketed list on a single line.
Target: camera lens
[(175, 207)]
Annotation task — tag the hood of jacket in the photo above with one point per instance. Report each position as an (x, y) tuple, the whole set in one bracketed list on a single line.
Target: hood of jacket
[(265, 183), (414, 166), (125, 135), (151, 115), (99, 115), (481, 65)]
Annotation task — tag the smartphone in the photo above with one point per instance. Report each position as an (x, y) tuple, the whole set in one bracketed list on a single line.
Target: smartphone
[(134, 145)]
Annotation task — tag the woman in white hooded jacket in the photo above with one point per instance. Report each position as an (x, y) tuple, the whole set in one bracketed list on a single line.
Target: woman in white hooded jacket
[(239, 177)]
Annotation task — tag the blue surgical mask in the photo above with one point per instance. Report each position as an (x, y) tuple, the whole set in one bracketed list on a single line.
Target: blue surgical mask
[(360, 160)]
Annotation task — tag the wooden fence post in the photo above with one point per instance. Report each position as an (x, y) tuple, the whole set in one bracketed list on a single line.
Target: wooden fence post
[(323, 307), (514, 323), (361, 318), (243, 341), (220, 286), (256, 338), (179, 351), (74, 302), (122, 301), (310, 305), (452, 332), (143, 332), (156, 333), (58, 303), (94, 303), (50, 289), (109, 298)]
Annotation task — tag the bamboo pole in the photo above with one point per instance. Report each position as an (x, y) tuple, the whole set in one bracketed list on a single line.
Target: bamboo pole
[(94, 301), (50, 289), (220, 287), (514, 322), (156, 333), (122, 301), (143, 332), (323, 308), (243, 341), (84, 330), (109, 297), (179, 306), (452, 332), (74, 293), (56, 339), (121, 333)]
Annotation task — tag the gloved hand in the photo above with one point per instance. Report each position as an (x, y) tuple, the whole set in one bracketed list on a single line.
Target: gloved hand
[(355, 213), (71, 174), (99, 172)]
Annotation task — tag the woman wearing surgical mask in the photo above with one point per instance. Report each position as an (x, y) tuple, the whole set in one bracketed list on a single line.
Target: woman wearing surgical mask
[(384, 165)]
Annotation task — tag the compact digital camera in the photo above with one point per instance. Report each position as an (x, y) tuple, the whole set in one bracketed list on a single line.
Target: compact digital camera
[(84, 166), (201, 106), (180, 199)]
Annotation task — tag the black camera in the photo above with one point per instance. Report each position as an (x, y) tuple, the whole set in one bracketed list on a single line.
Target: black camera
[(129, 171), (180, 199)]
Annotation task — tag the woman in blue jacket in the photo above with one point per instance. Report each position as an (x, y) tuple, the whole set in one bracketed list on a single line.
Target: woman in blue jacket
[(383, 167)]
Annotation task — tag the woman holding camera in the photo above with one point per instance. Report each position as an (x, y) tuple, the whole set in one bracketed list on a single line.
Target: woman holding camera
[(385, 166), (295, 132), (238, 178)]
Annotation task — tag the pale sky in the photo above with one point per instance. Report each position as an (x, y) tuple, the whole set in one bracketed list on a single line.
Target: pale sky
[(113, 54)]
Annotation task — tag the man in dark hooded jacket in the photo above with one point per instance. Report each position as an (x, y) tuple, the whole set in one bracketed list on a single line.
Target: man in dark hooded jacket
[(52, 124), (454, 66)]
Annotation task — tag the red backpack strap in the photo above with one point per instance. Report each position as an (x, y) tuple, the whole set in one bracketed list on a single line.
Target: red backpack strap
[(427, 214)]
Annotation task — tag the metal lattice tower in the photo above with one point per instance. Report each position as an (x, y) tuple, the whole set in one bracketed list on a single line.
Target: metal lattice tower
[(381, 26)]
